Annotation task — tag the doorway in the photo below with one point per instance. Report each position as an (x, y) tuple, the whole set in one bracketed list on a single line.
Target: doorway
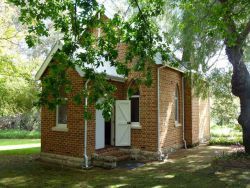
[(104, 133), (107, 133)]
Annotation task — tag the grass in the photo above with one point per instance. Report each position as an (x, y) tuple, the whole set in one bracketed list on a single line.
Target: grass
[(189, 169), (225, 135), (19, 134), (26, 151), (5, 142)]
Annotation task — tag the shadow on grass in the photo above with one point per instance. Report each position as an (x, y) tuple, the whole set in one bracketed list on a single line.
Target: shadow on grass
[(190, 168)]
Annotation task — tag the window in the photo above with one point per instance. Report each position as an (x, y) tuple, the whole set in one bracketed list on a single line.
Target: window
[(135, 109), (62, 114), (61, 118), (176, 101)]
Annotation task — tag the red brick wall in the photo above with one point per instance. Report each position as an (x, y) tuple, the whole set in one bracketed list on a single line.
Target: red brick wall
[(188, 113), (201, 119), (170, 132), (197, 117), (66, 143), (146, 137), (71, 143)]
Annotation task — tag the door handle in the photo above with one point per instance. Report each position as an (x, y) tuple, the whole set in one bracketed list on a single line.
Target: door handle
[(128, 122)]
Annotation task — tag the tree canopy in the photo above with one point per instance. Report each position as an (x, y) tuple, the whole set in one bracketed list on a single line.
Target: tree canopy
[(18, 90), (199, 29)]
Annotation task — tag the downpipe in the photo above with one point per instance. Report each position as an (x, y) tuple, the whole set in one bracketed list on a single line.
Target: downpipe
[(86, 160), (183, 114)]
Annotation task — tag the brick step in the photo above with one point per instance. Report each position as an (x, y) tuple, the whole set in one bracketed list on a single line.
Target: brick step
[(115, 153), (109, 158), (123, 157), (106, 150)]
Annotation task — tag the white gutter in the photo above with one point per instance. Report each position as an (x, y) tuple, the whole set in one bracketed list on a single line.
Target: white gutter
[(86, 128), (158, 111), (183, 114)]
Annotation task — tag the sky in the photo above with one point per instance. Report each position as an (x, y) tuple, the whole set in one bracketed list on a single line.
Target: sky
[(220, 59)]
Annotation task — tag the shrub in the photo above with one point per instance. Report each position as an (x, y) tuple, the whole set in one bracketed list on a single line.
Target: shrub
[(28, 121), (19, 134)]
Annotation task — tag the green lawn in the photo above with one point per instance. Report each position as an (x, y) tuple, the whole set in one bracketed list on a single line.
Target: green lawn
[(225, 135), (26, 151), (191, 168), (5, 142)]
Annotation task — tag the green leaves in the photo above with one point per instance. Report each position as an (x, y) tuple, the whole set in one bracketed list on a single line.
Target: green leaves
[(91, 41), (225, 107)]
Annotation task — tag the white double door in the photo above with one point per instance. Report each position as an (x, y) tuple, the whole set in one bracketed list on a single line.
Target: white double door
[(122, 128)]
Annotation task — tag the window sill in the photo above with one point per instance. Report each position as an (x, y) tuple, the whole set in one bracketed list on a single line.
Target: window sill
[(61, 129), (178, 124), (135, 125)]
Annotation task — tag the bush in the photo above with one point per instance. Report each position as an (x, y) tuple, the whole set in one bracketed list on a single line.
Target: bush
[(17, 134)]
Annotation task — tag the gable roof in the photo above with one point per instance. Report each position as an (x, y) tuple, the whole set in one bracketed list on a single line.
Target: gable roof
[(58, 45), (106, 68)]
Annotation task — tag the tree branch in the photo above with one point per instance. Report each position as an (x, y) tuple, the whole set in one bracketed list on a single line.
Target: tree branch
[(144, 18), (243, 35)]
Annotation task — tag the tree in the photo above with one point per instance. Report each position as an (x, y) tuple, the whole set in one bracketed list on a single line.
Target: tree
[(225, 106), (18, 90), (205, 26), (228, 21)]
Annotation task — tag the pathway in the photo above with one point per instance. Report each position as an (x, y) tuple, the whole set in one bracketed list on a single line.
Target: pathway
[(23, 146)]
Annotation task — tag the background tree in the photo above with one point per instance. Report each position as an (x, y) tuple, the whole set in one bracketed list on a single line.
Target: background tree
[(18, 90), (228, 21), (225, 106)]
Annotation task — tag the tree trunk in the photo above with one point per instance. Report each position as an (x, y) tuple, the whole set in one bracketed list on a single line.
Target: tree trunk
[(241, 89)]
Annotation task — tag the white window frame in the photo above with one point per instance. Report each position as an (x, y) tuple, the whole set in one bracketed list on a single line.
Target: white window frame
[(136, 125), (60, 126), (176, 99)]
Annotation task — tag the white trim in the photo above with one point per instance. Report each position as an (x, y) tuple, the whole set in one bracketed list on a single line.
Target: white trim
[(135, 125), (135, 96), (158, 61), (61, 129), (176, 105), (108, 77), (113, 127), (57, 45), (177, 124), (173, 68)]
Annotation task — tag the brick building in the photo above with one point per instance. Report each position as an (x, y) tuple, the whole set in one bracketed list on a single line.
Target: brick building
[(152, 122)]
